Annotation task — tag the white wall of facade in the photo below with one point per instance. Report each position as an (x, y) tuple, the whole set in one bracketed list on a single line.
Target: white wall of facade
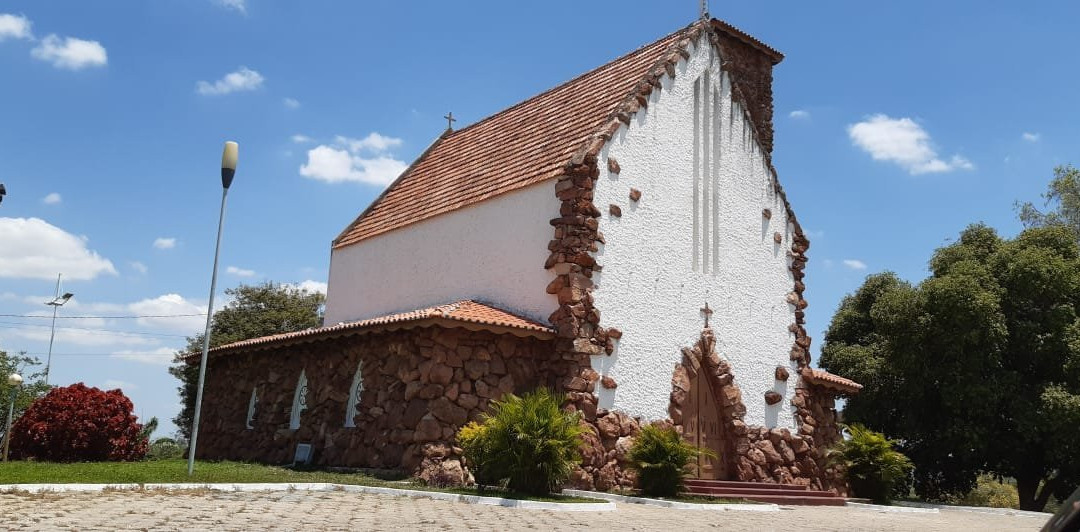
[(697, 235), (493, 252)]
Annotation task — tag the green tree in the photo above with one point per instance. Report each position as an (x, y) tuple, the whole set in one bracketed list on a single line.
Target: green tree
[(255, 310), (1063, 194), (33, 385), (977, 368)]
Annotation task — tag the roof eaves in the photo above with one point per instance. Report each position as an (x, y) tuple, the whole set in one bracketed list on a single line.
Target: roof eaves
[(639, 94)]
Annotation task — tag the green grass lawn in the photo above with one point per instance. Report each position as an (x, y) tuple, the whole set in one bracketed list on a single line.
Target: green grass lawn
[(166, 471), (175, 471)]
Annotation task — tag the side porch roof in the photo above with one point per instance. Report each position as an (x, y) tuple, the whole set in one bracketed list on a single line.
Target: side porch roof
[(466, 314)]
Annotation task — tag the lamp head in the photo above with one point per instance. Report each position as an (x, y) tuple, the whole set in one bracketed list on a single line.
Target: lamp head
[(14, 379), (3, 191), (67, 296), (228, 163)]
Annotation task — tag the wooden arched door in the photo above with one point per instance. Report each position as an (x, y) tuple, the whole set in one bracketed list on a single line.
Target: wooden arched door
[(702, 427)]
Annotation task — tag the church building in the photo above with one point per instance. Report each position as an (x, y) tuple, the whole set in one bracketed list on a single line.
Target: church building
[(622, 238)]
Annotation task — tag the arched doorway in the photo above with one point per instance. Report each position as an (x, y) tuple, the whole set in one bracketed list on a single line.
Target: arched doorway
[(702, 426)]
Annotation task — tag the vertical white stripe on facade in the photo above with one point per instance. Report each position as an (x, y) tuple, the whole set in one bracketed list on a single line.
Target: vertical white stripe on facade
[(706, 170), (718, 159), (697, 168)]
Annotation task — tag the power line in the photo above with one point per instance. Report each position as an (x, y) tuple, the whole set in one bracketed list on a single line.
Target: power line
[(103, 317), (116, 355), (15, 325)]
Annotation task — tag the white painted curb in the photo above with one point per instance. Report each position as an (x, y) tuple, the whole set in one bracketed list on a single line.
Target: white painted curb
[(976, 509), (893, 509), (675, 505), (320, 486)]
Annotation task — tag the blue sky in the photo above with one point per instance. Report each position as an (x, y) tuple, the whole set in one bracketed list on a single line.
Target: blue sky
[(897, 124)]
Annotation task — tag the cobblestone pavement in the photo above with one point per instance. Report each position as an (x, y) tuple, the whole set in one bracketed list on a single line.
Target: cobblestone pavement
[(154, 510)]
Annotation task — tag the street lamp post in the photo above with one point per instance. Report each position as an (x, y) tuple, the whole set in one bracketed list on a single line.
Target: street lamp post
[(228, 171), (14, 380), (56, 303)]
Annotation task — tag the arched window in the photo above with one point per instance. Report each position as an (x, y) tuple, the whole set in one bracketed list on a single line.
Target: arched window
[(253, 405), (299, 403), (357, 388)]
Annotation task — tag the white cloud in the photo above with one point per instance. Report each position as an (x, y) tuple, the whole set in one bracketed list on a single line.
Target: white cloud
[(239, 272), (374, 143), (291, 103), (828, 263), (799, 114), (14, 27), (301, 139), (189, 316), (112, 384), (243, 79), (70, 53), (904, 142), (34, 249), (310, 285), (161, 356), (51, 199), (1031, 137), (164, 243), (367, 160), (139, 267), (238, 5), (855, 264)]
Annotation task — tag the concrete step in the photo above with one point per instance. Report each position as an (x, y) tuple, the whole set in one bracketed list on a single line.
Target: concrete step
[(740, 484), (796, 500), (790, 494), (744, 492)]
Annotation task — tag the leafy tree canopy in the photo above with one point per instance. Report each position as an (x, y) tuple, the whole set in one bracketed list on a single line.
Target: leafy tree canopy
[(1063, 195), (254, 311), (976, 368)]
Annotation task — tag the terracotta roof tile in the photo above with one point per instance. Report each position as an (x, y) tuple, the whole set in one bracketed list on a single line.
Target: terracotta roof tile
[(829, 380), (520, 146), (466, 311)]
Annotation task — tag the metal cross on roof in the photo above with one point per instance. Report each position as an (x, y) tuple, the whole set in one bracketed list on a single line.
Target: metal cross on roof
[(450, 120), (704, 8), (708, 313)]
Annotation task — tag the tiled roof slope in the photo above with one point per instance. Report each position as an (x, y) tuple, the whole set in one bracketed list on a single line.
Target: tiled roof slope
[(829, 380), (461, 312), (523, 145)]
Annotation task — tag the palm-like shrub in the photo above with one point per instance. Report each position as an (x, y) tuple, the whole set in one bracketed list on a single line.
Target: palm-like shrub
[(874, 468), (662, 459), (527, 441), (473, 439)]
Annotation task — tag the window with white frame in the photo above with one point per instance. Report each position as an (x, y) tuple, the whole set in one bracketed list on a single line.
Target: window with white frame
[(299, 403), (357, 388)]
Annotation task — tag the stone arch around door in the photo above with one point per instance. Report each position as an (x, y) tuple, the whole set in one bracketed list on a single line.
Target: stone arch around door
[(706, 407)]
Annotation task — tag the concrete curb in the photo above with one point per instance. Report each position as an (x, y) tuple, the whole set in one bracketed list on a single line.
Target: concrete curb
[(976, 509), (675, 505), (891, 509), (319, 486)]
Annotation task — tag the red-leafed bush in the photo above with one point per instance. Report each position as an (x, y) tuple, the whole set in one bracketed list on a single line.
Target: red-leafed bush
[(79, 424)]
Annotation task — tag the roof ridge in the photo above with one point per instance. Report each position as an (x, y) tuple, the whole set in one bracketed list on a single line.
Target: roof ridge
[(517, 105)]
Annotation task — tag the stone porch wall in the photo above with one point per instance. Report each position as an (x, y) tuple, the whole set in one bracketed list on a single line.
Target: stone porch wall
[(420, 385)]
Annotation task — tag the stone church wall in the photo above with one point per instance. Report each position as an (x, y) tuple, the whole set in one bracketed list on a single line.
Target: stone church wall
[(419, 386), (458, 255), (708, 226)]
